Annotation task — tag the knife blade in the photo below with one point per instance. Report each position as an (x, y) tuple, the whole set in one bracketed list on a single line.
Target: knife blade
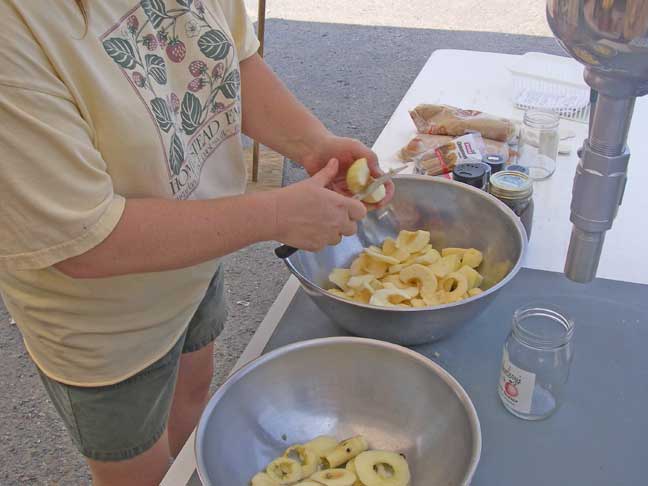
[(386, 177)]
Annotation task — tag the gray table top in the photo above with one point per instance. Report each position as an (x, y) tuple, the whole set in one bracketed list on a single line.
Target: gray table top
[(598, 437)]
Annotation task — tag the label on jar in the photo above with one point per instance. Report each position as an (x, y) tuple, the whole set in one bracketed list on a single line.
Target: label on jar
[(516, 385)]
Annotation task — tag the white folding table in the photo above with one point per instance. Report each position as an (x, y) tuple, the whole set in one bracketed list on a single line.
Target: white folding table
[(486, 86)]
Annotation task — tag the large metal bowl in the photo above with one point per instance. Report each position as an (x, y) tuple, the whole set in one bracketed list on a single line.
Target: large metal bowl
[(457, 215), (397, 398)]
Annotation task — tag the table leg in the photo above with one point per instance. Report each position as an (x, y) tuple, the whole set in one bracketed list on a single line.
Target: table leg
[(261, 35)]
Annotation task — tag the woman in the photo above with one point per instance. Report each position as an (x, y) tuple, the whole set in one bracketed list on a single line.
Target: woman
[(121, 185)]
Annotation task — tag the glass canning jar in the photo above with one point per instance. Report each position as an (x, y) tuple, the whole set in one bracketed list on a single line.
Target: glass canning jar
[(536, 359)]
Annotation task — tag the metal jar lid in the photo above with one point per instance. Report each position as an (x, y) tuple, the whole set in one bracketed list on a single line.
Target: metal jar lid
[(518, 168), (495, 162), (473, 174), (511, 185)]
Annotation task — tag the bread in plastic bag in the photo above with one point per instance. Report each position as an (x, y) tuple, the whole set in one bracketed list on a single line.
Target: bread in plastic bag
[(448, 120), (442, 160), (423, 142)]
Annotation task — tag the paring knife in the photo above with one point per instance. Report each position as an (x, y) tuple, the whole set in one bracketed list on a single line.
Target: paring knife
[(284, 251)]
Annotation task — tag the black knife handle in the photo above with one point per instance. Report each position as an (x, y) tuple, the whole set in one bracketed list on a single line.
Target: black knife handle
[(284, 251)]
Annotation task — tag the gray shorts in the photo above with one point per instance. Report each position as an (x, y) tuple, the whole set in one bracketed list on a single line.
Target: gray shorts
[(120, 421)]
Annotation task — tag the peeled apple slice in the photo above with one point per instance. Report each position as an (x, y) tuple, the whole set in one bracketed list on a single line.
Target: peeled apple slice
[(446, 265), (335, 477), (389, 297), (262, 479), (472, 258), (395, 281), (308, 482), (401, 254), (347, 450), (408, 292), (378, 255), (284, 471), (380, 468), (358, 176), (389, 246), (322, 445), (473, 277), (360, 281), (305, 456), (340, 277), (453, 251), (413, 241), (428, 258)]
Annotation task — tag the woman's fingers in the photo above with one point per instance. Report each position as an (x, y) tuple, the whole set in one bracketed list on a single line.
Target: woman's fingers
[(350, 228), (356, 209)]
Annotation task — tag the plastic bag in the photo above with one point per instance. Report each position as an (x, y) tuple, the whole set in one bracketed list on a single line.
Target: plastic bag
[(441, 160), (448, 120), (422, 143)]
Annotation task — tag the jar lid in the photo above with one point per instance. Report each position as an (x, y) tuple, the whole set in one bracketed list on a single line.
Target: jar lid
[(508, 184), (494, 161), (473, 174), (518, 168)]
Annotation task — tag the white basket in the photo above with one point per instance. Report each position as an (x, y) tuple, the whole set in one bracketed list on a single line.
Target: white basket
[(542, 81)]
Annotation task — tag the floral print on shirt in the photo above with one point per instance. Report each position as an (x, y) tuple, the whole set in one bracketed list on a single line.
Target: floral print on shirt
[(184, 67)]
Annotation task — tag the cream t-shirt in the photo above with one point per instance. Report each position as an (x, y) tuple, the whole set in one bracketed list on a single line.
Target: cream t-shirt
[(145, 104)]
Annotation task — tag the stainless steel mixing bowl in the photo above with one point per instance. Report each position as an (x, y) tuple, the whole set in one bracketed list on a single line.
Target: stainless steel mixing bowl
[(457, 215), (342, 386)]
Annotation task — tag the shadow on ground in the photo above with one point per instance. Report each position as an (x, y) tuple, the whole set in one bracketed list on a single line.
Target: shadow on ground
[(352, 77)]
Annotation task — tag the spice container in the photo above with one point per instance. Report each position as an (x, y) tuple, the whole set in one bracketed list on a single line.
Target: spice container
[(495, 161), (473, 174), (539, 140), (515, 189), (535, 362), (495, 164)]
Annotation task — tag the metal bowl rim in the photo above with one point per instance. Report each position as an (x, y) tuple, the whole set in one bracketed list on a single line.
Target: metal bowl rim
[(511, 274), (449, 380)]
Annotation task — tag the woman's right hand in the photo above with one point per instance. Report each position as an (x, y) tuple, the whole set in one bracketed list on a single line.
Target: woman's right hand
[(310, 217)]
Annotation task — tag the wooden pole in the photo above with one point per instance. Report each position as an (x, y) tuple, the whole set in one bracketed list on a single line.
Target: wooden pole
[(261, 35)]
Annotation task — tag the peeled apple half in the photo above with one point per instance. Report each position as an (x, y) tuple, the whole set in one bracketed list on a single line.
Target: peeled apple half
[(376, 196), (359, 177)]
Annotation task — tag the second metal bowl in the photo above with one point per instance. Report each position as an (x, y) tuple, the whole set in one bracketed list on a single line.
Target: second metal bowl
[(399, 400)]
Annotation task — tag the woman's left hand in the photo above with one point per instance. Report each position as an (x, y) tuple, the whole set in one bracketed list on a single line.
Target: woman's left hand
[(346, 151)]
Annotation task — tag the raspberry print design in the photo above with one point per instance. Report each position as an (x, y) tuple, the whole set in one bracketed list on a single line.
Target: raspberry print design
[(196, 108), (176, 50)]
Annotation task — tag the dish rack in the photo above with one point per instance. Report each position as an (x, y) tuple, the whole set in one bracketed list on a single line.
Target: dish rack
[(543, 81)]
